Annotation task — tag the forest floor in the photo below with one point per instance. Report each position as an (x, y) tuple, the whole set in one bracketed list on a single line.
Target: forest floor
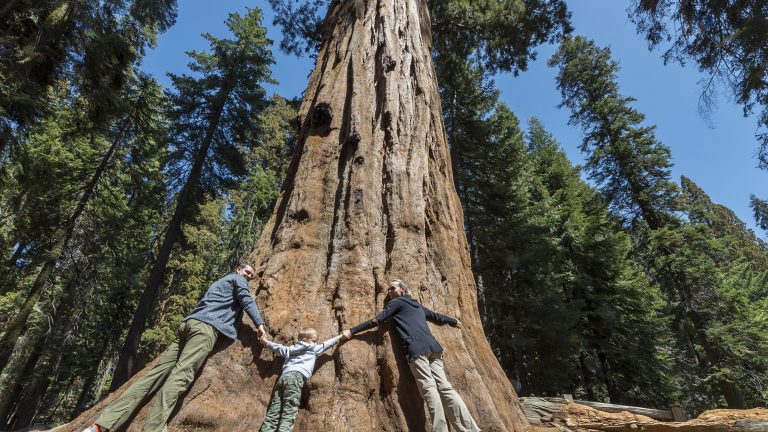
[(558, 415), (546, 416)]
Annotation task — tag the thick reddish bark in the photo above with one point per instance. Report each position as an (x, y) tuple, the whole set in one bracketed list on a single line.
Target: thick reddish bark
[(369, 197)]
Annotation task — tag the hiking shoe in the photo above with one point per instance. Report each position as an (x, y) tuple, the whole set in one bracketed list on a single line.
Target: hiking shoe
[(95, 428)]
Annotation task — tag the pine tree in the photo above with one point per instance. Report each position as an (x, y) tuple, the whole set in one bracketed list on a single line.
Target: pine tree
[(368, 196), (79, 184), (212, 119), (91, 44), (725, 39), (555, 268), (600, 284), (624, 159), (129, 161), (739, 259), (632, 169)]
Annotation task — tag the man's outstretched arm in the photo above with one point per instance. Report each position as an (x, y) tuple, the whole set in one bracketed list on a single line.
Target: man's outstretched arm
[(248, 303)]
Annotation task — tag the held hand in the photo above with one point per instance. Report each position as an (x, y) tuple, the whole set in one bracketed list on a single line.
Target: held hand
[(459, 324), (346, 335), (260, 331), (263, 340)]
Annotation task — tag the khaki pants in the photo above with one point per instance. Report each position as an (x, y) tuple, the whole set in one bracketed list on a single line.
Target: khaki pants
[(442, 400), (172, 375)]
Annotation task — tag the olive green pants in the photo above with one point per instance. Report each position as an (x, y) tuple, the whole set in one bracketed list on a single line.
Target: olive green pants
[(286, 396), (172, 375), (442, 400)]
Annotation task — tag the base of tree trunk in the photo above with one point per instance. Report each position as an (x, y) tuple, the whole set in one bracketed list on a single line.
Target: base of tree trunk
[(368, 197), (559, 415)]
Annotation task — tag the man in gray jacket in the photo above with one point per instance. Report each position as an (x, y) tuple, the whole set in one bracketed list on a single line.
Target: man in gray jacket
[(219, 312)]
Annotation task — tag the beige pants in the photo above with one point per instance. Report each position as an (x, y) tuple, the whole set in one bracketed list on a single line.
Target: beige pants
[(442, 400)]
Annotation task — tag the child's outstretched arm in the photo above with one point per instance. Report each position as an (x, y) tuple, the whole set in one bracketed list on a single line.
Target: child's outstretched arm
[(280, 349), (327, 344)]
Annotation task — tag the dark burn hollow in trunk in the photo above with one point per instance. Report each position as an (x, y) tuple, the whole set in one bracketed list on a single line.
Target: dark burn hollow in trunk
[(369, 197)]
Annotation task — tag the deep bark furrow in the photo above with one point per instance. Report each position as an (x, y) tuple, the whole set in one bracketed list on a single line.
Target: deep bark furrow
[(369, 198)]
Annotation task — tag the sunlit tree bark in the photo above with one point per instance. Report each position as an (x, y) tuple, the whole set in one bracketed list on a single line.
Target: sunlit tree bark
[(369, 197)]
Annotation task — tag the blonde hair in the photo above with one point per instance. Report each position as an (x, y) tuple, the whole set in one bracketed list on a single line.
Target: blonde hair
[(402, 286), (308, 334)]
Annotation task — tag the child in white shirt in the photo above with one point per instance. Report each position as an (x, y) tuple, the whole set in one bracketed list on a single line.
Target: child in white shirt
[(297, 369)]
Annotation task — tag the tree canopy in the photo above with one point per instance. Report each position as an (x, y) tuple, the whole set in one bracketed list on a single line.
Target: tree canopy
[(121, 200)]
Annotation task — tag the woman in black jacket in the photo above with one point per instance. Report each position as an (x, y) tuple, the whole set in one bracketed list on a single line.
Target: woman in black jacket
[(425, 357)]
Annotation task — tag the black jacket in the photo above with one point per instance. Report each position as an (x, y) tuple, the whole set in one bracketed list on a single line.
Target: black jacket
[(411, 324)]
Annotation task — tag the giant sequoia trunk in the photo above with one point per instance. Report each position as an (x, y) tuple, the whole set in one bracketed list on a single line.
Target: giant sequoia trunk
[(369, 197)]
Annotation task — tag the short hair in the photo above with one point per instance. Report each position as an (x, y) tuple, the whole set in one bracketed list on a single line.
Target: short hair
[(242, 264), (308, 333), (402, 286)]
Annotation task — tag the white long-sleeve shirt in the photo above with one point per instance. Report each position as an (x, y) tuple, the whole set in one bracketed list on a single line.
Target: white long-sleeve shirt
[(301, 356)]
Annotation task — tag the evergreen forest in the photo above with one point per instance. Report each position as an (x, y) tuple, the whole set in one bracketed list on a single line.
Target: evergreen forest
[(122, 199)]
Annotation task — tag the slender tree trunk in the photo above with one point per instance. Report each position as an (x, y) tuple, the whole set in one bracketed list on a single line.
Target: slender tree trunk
[(369, 197), (8, 274), (35, 390), (615, 394), (185, 202), (87, 392), (586, 375), (41, 360), (46, 275), (56, 405), (13, 379)]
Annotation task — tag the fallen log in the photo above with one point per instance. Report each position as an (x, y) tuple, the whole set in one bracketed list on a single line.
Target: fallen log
[(738, 426), (565, 416), (655, 414)]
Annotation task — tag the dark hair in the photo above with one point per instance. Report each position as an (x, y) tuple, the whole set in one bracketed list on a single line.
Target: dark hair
[(241, 265)]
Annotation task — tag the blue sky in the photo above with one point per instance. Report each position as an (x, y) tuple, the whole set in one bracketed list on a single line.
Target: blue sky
[(718, 154)]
